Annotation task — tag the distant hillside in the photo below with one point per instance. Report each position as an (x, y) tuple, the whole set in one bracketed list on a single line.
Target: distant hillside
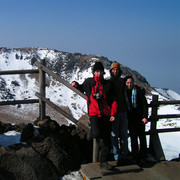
[(63, 63), (67, 65), (168, 94)]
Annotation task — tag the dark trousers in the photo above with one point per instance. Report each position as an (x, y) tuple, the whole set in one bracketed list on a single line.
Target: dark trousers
[(101, 131), (119, 136), (137, 130)]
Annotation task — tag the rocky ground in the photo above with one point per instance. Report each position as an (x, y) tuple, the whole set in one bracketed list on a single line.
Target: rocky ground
[(48, 154)]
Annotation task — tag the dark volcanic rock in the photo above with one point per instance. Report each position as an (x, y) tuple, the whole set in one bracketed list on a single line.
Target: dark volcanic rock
[(27, 132), (4, 127), (49, 154), (27, 163)]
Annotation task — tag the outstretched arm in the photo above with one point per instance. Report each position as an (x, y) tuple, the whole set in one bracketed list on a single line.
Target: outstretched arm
[(76, 85)]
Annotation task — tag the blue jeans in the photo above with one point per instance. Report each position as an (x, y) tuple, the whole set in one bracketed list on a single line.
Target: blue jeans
[(119, 136)]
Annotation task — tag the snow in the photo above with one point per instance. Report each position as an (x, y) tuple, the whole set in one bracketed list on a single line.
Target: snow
[(170, 145), (8, 64), (75, 175), (9, 138), (169, 94), (62, 96), (169, 140)]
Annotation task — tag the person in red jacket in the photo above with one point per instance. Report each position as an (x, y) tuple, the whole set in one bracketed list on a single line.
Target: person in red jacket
[(102, 109)]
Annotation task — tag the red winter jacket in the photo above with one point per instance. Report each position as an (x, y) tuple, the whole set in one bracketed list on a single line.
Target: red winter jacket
[(107, 104)]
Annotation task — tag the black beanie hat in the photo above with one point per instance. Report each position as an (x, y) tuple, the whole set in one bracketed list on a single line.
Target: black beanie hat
[(98, 66)]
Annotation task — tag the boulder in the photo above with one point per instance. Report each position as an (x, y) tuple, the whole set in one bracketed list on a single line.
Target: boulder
[(48, 154)]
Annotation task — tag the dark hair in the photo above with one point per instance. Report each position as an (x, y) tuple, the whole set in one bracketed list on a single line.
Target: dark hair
[(98, 66), (128, 77)]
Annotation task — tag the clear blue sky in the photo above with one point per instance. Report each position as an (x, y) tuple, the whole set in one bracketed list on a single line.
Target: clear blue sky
[(141, 34)]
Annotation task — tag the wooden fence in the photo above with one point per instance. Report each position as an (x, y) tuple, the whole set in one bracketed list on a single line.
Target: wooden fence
[(42, 100), (154, 143)]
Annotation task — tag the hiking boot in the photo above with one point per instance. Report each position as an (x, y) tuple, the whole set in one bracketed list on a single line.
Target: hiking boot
[(106, 165), (121, 162), (125, 162)]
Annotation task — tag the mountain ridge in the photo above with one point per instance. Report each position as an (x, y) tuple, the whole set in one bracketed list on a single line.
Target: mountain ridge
[(69, 66), (67, 61)]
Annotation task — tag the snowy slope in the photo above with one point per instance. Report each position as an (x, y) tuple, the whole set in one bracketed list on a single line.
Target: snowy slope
[(16, 87), (25, 86), (168, 94)]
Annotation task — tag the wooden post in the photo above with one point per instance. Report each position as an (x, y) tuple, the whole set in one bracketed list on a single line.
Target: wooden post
[(42, 108), (155, 143), (95, 150)]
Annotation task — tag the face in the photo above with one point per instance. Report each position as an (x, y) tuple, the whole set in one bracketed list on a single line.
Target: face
[(98, 73), (115, 71), (129, 83)]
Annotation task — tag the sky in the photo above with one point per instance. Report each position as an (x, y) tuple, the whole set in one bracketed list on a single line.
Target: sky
[(141, 34)]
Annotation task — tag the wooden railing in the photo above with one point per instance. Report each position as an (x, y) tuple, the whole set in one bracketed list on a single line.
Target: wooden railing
[(27, 101), (42, 100), (154, 143)]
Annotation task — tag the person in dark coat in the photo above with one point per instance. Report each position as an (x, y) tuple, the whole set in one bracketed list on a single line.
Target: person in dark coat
[(119, 133), (137, 118), (102, 109)]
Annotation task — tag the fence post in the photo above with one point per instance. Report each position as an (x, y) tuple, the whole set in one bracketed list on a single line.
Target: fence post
[(42, 108), (155, 143), (95, 150)]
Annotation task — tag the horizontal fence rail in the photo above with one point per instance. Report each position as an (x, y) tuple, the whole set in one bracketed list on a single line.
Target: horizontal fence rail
[(168, 102), (67, 115), (163, 130), (164, 116), (154, 143), (27, 101), (64, 113), (164, 103), (59, 79), (27, 71)]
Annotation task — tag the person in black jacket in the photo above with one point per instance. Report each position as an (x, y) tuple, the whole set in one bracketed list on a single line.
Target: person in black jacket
[(102, 109), (119, 133), (137, 118)]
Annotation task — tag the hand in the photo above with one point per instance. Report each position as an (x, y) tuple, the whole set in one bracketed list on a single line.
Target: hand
[(144, 120), (112, 118), (74, 84)]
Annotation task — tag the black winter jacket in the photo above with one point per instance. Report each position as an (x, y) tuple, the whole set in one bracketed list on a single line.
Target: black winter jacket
[(141, 109)]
